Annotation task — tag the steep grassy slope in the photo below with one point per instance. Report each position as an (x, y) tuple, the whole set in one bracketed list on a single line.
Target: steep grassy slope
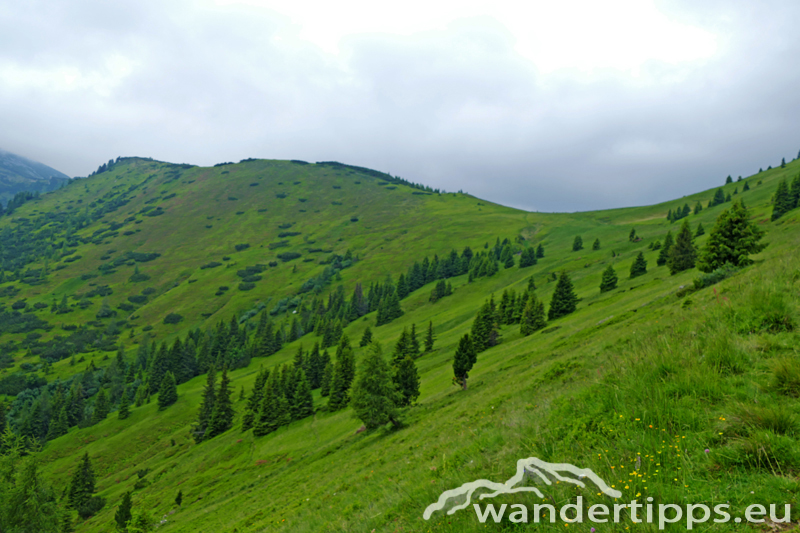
[(585, 390)]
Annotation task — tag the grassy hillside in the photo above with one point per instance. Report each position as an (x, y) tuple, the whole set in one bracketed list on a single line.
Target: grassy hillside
[(636, 372)]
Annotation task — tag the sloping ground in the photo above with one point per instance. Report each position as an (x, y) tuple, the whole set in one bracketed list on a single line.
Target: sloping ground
[(585, 390)]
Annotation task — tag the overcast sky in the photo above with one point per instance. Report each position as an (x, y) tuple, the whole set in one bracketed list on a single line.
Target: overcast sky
[(543, 105)]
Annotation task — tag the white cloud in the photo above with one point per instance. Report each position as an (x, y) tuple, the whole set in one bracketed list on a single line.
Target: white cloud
[(552, 105)]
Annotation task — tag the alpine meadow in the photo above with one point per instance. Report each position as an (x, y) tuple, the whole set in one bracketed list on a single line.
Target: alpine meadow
[(284, 346)]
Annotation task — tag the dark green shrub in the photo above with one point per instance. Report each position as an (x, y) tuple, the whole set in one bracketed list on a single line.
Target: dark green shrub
[(246, 286), (288, 256), (172, 318), (240, 247), (91, 507)]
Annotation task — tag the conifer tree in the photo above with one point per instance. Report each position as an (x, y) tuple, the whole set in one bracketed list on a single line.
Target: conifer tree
[(484, 333), (200, 428), (327, 380), (539, 251), (682, 255), (700, 230), (179, 498), (81, 485), (564, 300), (719, 198), (639, 266), (406, 379), (782, 203), (698, 207), (101, 407), (632, 235), (124, 406), (577, 244), (663, 255), (58, 426), (158, 367), (268, 416), (533, 318), (366, 338), (123, 515), (222, 416), (794, 193), (168, 391), (732, 240), (27, 504), (429, 338), (343, 374), (464, 360), (375, 397), (609, 281), (596, 244), (414, 347), (254, 401), (303, 401)]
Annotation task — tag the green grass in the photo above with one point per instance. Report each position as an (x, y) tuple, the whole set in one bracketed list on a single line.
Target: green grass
[(635, 372)]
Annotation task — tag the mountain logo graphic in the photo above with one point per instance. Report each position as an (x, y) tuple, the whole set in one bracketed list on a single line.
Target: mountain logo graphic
[(533, 468)]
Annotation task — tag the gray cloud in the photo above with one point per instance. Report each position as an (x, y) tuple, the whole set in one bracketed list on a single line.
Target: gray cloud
[(455, 108)]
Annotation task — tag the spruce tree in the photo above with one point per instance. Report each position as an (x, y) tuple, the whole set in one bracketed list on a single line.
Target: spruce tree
[(414, 348), (222, 416), (254, 401), (429, 338), (81, 485), (533, 318), (168, 391), (564, 300), (577, 244), (539, 251), (732, 240), (794, 193), (639, 266), (632, 235), (782, 202), (406, 379), (596, 244), (700, 230), (375, 396), (366, 338), (327, 380), (343, 374), (527, 257), (101, 407), (663, 255), (123, 515), (124, 406), (719, 198), (609, 281), (303, 400), (268, 418), (59, 425), (464, 360), (179, 498), (206, 406), (682, 255), (484, 333)]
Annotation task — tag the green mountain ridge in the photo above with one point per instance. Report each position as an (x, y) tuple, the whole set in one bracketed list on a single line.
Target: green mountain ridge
[(19, 174), (140, 252)]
